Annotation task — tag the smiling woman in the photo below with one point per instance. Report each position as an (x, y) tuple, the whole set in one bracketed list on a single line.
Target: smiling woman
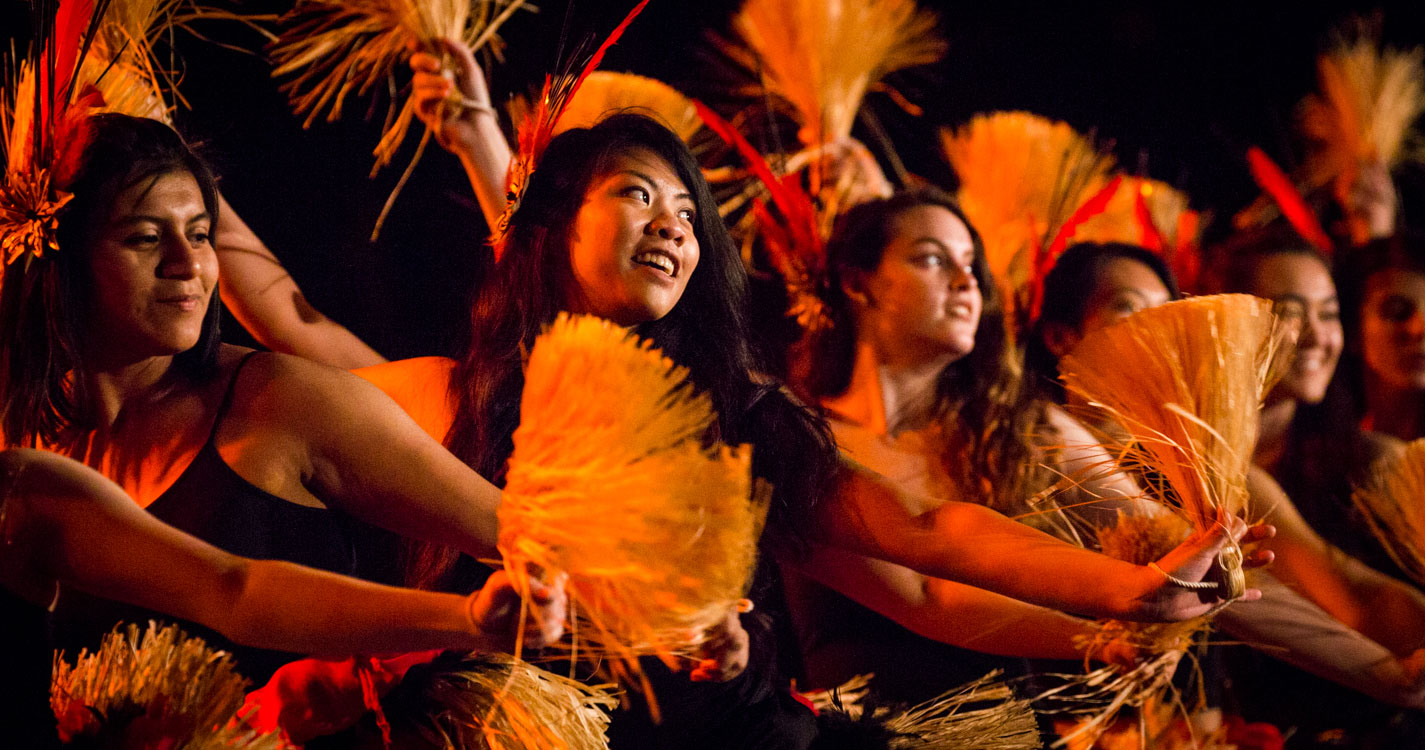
[(111, 356)]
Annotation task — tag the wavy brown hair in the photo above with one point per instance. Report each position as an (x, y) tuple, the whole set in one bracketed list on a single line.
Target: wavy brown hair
[(980, 402)]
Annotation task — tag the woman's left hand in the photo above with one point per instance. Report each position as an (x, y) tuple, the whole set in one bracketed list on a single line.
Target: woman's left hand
[(1196, 560), (496, 611)]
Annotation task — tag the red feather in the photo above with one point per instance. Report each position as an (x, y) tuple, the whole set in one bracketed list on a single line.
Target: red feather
[(537, 130), (1275, 183), (1149, 236), (1044, 259), (794, 243)]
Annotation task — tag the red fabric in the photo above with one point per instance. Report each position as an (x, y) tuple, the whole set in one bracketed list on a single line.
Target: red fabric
[(315, 697), (1255, 736)]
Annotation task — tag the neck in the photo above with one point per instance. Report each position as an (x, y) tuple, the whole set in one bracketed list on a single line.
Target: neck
[(1392, 410), (116, 385), (1272, 429), (889, 396)]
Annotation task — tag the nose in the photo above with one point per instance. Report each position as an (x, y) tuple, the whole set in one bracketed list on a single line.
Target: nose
[(181, 259), (1415, 324), (1310, 332), (667, 226), (962, 278)]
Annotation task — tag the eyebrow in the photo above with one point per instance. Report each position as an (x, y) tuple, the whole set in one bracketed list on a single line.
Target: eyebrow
[(1297, 298), (650, 181), (139, 218)]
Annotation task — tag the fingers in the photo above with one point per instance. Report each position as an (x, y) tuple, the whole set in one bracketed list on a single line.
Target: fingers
[(724, 653), (1258, 559), (1258, 533)]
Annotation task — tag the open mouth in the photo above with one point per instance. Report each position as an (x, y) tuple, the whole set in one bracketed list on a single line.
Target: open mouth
[(659, 260)]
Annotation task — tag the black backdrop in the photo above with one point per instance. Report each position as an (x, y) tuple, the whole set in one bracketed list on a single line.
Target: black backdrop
[(1180, 87)]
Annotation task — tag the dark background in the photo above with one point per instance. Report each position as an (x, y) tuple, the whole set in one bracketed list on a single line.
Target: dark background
[(1181, 89)]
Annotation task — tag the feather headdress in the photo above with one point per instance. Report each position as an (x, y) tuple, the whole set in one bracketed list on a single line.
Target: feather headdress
[(538, 126), (1027, 183), (43, 128), (820, 58), (1390, 502), (604, 93), (1367, 101), (163, 689), (1155, 216), (611, 483), (793, 236)]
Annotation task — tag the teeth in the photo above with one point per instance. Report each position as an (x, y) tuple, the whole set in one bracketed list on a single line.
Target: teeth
[(658, 260), (960, 310)]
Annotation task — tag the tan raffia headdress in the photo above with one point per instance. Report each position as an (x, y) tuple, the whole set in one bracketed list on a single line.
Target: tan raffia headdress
[(1391, 503), (538, 127), (182, 692), (1027, 183), (611, 484), (605, 92), (337, 48)]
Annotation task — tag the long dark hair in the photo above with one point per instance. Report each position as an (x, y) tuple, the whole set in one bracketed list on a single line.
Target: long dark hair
[(1066, 296), (706, 331), (980, 400), (43, 372)]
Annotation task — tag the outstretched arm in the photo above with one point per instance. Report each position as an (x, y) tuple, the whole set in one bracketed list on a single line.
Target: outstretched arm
[(265, 299), (471, 131), (977, 546), (1285, 625), (71, 525), (1383, 609), (949, 612)]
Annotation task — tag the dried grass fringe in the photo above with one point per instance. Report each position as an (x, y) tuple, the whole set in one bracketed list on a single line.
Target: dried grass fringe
[(1391, 502), (983, 714), (163, 684)]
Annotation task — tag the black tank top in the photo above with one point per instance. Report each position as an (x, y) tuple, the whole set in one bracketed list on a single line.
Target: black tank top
[(212, 502)]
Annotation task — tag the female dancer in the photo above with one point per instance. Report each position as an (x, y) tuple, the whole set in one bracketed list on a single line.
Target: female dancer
[(111, 356), (1383, 303), (63, 525)]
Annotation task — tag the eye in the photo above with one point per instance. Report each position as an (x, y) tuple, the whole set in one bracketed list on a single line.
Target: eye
[(932, 260), (687, 214), (1396, 309), (200, 237), (637, 192), (141, 239)]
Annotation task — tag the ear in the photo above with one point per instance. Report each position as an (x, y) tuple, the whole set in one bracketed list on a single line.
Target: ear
[(1060, 339), (853, 285)]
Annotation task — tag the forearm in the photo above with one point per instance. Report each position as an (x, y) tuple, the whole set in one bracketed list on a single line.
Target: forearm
[(487, 163), (1287, 626), (981, 620), (1396, 610), (280, 605)]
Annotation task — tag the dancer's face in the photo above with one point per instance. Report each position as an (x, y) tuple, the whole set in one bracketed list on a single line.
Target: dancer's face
[(632, 247), (154, 269), (1393, 328), (922, 302), (1302, 290), (1121, 287)]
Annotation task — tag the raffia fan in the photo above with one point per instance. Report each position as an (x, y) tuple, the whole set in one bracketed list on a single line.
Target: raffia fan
[(612, 485), (333, 49), (1021, 176), (1391, 504), (1185, 382), (495, 702), (1367, 102), (159, 689), (821, 57)]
